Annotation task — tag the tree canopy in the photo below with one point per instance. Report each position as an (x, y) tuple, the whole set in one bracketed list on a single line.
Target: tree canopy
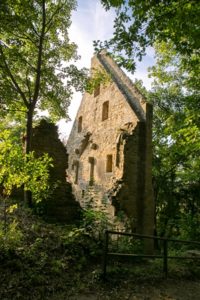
[(139, 23), (172, 28), (176, 144), (34, 52)]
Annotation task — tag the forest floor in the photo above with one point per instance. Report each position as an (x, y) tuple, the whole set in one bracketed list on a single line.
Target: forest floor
[(23, 281), (134, 281), (169, 289), (126, 285), (40, 261), (83, 286)]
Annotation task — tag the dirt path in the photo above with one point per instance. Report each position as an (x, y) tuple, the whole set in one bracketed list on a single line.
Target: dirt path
[(165, 290)]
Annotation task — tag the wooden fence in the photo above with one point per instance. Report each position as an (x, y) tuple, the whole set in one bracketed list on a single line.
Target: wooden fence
[(164, 254)]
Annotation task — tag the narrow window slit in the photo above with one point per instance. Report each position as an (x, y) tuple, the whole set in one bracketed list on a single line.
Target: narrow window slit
[(109, 163)]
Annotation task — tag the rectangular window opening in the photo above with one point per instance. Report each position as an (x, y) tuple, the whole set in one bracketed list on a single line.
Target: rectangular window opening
[(76, 172), (80, 121), (109, 163), (105, 110), (97, 91), (91, 162)]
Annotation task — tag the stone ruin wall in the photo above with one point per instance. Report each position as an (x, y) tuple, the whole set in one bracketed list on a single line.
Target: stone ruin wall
[(104, 134), (128, 187), (133, 193), (61, 206)]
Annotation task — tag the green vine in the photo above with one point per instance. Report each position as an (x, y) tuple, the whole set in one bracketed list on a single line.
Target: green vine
[(99, 76)]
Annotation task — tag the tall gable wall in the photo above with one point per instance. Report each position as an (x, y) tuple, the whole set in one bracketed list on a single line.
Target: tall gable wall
[(103, 133), (125, 136)]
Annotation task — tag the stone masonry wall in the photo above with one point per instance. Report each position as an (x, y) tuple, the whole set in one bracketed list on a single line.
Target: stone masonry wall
[(61, 205), (104, 134), (126, 135)]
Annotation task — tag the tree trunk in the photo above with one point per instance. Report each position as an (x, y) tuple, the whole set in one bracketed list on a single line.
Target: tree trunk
[(33, 101), (29, 131)]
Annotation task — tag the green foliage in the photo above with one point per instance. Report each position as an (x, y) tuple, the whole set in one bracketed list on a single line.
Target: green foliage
[(139, 23), (10, 237), (37, 263), (87, 240), (95, 223), (189, 227), (34, 44), (176, 141), (99, 76), (57, 262), (126, 244), (17, 169), (35, 73), (37, 175)]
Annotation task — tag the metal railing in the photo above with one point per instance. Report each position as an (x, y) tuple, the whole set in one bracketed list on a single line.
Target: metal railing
[(164, 255)]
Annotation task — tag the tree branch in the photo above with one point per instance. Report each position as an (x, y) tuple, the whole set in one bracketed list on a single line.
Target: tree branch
[(28, 85), (39, 62), (23, 37), (35, 30), (48, 24), (13, 79)]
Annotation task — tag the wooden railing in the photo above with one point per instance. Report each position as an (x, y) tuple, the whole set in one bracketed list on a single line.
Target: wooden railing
[(164, 256)]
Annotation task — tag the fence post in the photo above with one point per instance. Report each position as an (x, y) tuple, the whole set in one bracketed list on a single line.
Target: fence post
[(105, 254), (165, 260)]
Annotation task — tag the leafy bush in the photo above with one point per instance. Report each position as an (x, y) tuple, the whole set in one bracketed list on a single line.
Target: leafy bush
[(95, 223), (127, 244), (10, 237), (18, 170), (190, 227)]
